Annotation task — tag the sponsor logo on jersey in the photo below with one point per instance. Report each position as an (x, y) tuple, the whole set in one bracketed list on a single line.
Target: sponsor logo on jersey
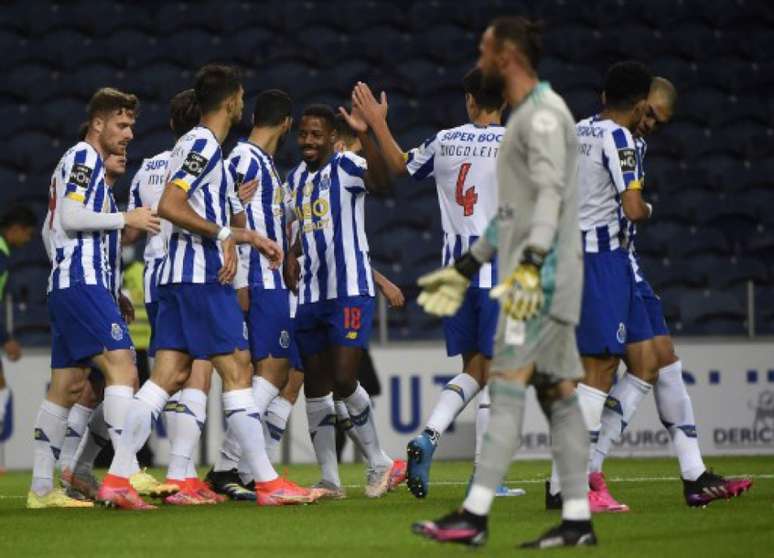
[(351, 335), (195, 163), (80, 175)]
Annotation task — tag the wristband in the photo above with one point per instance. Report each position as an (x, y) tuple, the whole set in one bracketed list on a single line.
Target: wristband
[(224, 233), (533, 257), (467, 265)]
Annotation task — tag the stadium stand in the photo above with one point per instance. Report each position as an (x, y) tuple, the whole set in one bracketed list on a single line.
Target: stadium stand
[(709, 172)]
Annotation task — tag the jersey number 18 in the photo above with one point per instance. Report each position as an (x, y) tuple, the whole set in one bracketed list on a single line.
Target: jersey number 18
[(469, 198)]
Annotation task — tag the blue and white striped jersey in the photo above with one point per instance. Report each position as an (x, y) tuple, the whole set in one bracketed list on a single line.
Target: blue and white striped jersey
[(113, 247), (78, 257), (462, 161), (266, 210), (631, 229), (196, 165), (146, 190), (329, 204), (607, 166)]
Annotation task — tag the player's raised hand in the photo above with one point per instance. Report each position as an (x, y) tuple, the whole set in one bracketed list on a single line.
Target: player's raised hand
[(371, 109), (247, 190), (354, 119), (443, 291), (143, 218), (230, 258), (521, 293), (268, 248)]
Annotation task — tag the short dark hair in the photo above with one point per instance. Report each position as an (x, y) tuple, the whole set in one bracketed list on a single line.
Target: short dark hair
[(272, 107), (107, 100), (343, 130), (626, 83), (214, 83), (487, 94), (323, 112), (184, 112), (526, 34), (18, 215), (83, 130)]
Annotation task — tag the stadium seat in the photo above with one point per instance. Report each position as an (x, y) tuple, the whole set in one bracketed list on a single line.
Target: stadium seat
[(712, 312), (736, 272)]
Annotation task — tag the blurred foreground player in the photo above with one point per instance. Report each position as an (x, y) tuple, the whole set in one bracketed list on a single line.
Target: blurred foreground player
[(536, 234), (199, 316)]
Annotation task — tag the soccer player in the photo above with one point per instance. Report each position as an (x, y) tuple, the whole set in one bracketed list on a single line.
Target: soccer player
[(462, 162), (86, 322), (336, 289), (700, 486), (17, 226), (268, 318), (186, 411), (535, 232), (199, 317)]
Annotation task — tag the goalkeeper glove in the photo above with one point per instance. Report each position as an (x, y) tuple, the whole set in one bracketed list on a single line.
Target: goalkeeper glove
[(521, 294), (443, 290)]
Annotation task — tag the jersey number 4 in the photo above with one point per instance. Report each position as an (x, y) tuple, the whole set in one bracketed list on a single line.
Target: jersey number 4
[(469, 198)]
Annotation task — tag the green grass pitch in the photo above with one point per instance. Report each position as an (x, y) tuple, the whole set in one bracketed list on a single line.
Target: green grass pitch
[(660, 525)]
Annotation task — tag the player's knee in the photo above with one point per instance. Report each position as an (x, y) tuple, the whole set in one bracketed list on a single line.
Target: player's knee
[(73, 390), (344, 386)]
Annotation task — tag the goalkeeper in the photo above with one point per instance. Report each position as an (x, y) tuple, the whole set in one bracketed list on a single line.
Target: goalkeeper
[(535, 233)]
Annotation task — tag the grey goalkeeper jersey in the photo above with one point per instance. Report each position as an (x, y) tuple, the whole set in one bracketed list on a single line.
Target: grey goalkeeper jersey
[(537, 199)]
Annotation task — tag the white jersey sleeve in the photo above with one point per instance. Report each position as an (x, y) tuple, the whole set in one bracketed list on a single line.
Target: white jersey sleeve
[(620, 157), (420, 161)]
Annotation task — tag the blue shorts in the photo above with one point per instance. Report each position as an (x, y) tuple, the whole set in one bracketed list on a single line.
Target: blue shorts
[(202, 320), (152, 309), (268, 323), (654, 309), (472, 328), (295, 355), (85, 321), (343, 322), (612, 311)]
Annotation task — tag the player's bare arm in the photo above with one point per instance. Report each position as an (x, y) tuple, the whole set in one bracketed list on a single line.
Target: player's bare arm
[(390, 290), (375, 114), (377, 177), (634, 207)]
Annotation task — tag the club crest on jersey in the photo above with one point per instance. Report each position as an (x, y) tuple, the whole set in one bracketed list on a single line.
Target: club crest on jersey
[(116, 332), (621, 333), (195, 163), (80, 175), (325, 182), (284, 339), (244, 330)]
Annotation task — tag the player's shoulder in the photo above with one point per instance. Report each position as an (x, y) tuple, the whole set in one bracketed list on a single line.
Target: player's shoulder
[(351, 163), (198, 138), (292, 178), (81, 153)]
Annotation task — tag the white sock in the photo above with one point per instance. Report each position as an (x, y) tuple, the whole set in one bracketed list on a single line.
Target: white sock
[(479, 500), (592, 402), (244, 420), (482, 420), (362, 416), (143, 410), (5, 395), (94, 439), (230, 453), (192, 414), (454, 397), (264, 392), (576, 509), (50, 428), (77, 423), (321, 416), (170, 415), (115, 406), (621, 405), (275, 422), (676, 412)]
